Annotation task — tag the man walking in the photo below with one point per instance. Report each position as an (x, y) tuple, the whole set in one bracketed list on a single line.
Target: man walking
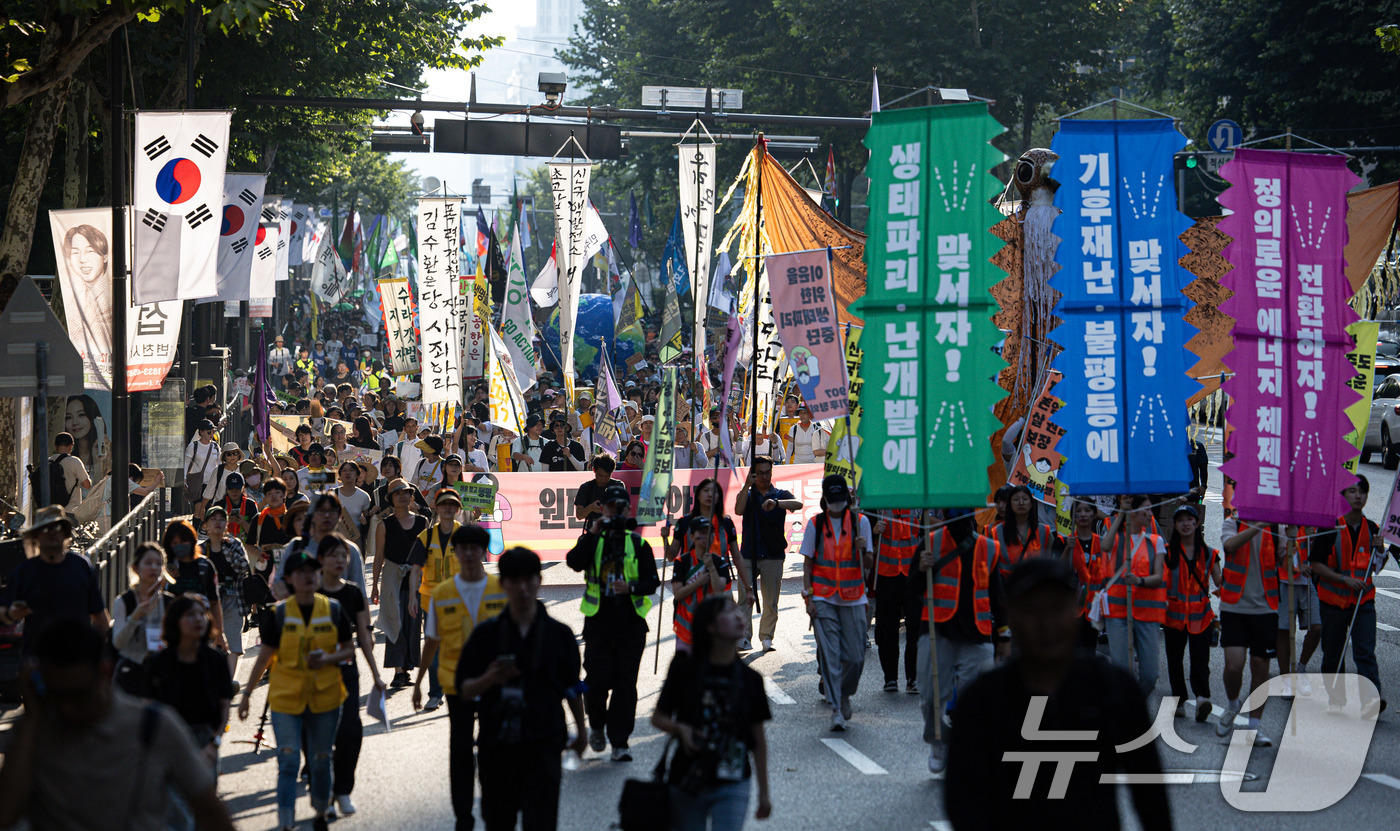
[(836, 553), (896, 596), (764, 509), (1343, 562), (620, 576), (1248, 616), (54, 585)]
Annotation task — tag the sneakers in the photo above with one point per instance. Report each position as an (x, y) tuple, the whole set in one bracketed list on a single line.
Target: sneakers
[(745, 645), (620, 754), (1227, 719), (1335, 709), (911, 687), (344, 805), (846, 709), (434, 702), (1180, 708), (1373, 708), (1287, 687), (597, 741), (767, 644), (1304, 685), (401, 679), (937, 763), (838, 722), (1203, 708), (1261, 740), (891, 686)]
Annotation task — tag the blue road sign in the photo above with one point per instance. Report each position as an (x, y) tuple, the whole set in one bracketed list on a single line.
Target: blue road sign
[(1224, 135)]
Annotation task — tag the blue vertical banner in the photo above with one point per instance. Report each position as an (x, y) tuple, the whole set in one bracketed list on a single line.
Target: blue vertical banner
[(1124, 331)]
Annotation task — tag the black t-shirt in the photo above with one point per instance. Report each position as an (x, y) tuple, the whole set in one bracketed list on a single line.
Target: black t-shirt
[(963, 626), (1324, 546), (590, 491), (271, 633), (351, 600), (704, 696), (67, 589), (393, 424), (199, 576), (195, 689), (366, 444), (555, 457)]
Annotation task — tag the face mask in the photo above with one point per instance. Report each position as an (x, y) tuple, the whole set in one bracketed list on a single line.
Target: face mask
[(838, 507), (181, 549), (253, 481)]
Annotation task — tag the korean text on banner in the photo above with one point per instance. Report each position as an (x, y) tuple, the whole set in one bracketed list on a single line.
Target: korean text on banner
[(178, 191), (697, 202), (151, 333), (1362, 356), (517, 327), (1124, 335), (659, 467), (1290, 387), (82, 246), (396, 302), (806, 319), (328, 278), (243, 195), (262, 281), (1037, 461), (507, 404), (929, 338), (438, 256), (842, 447), (569, 184)]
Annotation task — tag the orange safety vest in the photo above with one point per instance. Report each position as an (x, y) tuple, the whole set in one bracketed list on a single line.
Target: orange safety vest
[(1188, 602), (1149, 605), (947, 580), (1349, 559), (1301, 545), (836, 568), (685, 609), (1236, 565), (1089, 569), (897, 545), (1037, 545)]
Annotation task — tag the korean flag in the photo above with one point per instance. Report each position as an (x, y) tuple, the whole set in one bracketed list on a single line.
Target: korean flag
[(284, 237), (301, 223), (264, 278), (179, 191), (238, 230)]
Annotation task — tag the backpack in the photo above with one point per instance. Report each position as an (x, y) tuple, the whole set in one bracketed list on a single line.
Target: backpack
[(58, 491)]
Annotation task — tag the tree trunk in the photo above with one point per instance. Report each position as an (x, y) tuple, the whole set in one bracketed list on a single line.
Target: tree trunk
[(75, 146), (31, 173)]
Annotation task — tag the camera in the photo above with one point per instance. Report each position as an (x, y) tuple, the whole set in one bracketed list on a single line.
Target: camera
[(611, 525), (510, 710)]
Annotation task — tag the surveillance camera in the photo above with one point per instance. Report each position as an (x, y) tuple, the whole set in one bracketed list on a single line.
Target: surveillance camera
[(416, 120), (552, 84)]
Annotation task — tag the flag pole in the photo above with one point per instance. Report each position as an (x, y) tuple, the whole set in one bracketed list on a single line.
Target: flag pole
[(121, 303), (753, 312)]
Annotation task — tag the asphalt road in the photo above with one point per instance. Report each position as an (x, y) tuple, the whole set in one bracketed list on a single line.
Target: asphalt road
[(871, 777)]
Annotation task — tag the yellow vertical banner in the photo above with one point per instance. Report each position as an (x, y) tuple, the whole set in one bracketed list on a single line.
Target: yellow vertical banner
[(1363, 359), (840, 449)]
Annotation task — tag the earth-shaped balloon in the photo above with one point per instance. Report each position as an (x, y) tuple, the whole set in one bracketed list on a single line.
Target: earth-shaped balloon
[(593, 329)]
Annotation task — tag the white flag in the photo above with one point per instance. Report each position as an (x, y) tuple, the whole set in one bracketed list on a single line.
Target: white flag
[(517, 328), (82, 246), (301, 224), (569, 183), (264, 276), (179, 188), (243, 199), (438, 296), (545, 291), (506, 402), (284, 235), (697, 199), (328, 278)]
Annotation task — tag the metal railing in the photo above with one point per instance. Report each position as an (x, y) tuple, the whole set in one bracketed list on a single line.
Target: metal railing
[(111, 554)]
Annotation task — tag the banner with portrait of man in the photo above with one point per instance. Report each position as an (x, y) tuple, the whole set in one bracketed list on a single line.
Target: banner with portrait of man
[(83, 249)]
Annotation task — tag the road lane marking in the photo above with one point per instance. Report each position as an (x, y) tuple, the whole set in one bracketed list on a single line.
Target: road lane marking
[(940, 825), (1386, 627), (1383, 779), (858, 760), (775, 692), (1389, 593)]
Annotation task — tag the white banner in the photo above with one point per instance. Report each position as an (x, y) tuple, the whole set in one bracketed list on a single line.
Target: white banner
[(397, 304), (328, 279), (569, 183), (178, 190), (311, 241), (284, 235), (545, 290), (243, 199), (301, 226), (263, 280), (697, 199), (517, 327), (473, 331), (438, 256), (260, 307), (152, 331), (83, 249)]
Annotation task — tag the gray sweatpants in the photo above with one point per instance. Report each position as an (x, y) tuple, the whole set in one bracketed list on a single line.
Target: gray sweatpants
[(840, 634), (959, 663)]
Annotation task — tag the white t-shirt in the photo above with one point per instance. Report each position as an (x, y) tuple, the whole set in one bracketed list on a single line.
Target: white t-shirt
[(427, 474), (806, 442), (478, 457), (355, 504), (809, 549), (471, 592), (533, 448)]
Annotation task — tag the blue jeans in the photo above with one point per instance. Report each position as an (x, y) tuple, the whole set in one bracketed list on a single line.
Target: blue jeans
[(434, 685), (1144, 647), (717, 808), (320, 735)]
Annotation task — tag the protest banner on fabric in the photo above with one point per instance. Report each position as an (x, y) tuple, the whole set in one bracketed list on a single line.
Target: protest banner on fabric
[(1122, 306), (473, 331), (82, 247), (1390, 528), (929, 340), (1064, 510), (480, 495), (697, 203), (1290, 387), (438, 256), (517, 326), (1037, 462), (151, 334), (262, 279), (536, 510), (670, 336), (328, 278), (243, 196), (396, 303), (568, 182), (178, 189), (505, 400), (659, 468), (806, 318), (1362, 356), (841, 451)]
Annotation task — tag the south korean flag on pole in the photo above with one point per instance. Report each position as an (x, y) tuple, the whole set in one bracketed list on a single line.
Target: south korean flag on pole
[(328, 278), (179, 188), (243, 196), (264, 277), (301, 224)]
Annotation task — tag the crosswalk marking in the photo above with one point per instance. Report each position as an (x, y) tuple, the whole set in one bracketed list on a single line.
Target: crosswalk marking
[(940, 825), (858, 760), (1386, 627), (1383, 779), (1389, 593), (775, 692)]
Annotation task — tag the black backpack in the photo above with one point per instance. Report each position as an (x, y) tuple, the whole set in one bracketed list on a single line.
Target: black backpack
[(58, 492)]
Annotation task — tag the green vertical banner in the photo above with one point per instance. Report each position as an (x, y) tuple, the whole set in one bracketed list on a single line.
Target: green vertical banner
[(929, 359), (661, 456)]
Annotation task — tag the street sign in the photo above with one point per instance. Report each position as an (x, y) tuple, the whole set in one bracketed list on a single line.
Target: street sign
[(521, 138), (692, 98), (1224, 135), (1214, 161), (26, 322), (481, 194)]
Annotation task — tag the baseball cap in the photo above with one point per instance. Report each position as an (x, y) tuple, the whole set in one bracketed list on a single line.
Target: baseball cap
[(452, 459), (216, 509), (205, 424), (433, 443), (616, 492), (234, 481), (1186, 509), (835, 489), (448, 495)]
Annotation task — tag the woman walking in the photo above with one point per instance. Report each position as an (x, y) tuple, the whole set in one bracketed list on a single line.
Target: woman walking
[(137, 616), (1022, 534), (191, 571), (715, 706), (1191, 565), (394, 544)]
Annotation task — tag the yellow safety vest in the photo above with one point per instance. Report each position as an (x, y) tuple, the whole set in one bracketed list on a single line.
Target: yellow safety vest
[(455, 625), (593, 588), (294, 687), (441, 564)]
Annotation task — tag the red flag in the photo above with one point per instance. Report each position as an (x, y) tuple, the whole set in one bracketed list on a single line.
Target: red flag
[(830, 184)]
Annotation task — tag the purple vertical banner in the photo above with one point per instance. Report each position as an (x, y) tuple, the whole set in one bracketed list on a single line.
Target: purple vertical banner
[(1289, 393)]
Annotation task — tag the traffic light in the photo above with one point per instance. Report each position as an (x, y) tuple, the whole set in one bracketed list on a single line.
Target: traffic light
[(1186, 161)]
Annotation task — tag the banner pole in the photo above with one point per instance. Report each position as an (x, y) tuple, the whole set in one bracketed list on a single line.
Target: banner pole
[(1289, 550), (759, 152), (933, 660)]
